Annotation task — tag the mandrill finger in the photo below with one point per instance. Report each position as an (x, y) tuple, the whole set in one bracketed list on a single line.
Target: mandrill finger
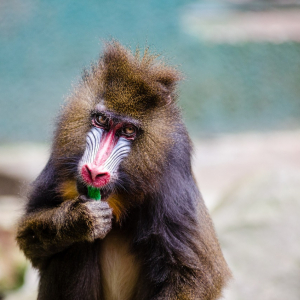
[(104, 222), (104, 214), (96, 205), (101, 231)]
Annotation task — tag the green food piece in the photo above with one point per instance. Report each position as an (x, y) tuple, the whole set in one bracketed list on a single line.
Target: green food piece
[(94, 193)]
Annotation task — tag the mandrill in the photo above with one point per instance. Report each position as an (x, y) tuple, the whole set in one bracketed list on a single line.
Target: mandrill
[(150, 237)]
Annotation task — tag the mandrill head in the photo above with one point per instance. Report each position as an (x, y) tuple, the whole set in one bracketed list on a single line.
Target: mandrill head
[(119, 129)]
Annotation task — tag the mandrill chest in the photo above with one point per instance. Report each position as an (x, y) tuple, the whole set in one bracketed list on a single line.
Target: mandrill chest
[(119, 268)]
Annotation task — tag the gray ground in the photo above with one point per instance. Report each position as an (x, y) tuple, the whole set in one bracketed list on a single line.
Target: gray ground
[(251, 184)]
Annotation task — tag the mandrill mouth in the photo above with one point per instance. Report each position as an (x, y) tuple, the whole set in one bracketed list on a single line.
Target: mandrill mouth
[(82, 188)]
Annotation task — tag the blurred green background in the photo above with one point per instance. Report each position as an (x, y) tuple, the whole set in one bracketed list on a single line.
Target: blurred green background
[(240, 100), (229, 86)]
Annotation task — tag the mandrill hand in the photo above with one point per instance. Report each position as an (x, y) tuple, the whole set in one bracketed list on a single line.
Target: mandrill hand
[(101, 215)]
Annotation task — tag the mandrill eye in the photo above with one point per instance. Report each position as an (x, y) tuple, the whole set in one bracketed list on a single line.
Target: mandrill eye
[(101, 120), (129, 130)]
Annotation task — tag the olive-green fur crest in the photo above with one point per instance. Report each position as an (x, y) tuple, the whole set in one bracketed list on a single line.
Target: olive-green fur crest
[(132, 84)]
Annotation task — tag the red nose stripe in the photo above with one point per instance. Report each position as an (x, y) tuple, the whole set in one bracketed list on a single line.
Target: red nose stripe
[(107, 144)]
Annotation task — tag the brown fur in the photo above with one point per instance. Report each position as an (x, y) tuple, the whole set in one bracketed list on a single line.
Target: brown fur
[(68, 190), (118, 206), (59, 232)]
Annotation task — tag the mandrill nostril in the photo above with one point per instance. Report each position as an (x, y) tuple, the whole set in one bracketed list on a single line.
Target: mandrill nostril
[(101, 175), (101, 179), (89, 172)]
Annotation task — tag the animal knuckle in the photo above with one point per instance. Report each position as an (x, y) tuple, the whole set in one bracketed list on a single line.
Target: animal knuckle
[(83, 198), (87, 205), (104, 204)]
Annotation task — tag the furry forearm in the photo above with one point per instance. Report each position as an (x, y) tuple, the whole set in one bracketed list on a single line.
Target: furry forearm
[(47, 231)]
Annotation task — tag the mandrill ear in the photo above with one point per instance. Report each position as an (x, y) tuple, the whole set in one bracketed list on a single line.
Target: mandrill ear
[(169, 99), (166, 95), (167, 80)]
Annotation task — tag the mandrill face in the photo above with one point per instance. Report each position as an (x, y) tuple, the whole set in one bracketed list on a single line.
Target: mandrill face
[(107, 143)]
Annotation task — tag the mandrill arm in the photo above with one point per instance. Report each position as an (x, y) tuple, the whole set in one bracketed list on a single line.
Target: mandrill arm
[(47, 230)]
